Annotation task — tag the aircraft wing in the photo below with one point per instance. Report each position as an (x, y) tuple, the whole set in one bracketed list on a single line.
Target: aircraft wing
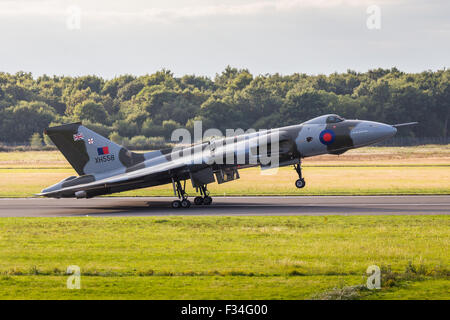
[(124, 178)]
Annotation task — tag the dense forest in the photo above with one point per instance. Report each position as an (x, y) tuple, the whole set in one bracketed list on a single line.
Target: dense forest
[(144, 110)]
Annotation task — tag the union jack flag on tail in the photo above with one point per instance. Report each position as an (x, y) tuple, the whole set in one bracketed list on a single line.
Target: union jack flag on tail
[(78, 136)]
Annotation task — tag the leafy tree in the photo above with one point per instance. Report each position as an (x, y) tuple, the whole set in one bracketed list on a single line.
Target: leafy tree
[(18, 123), (115, 137), (47, 141), (36, 141), (201, 83), (168, 127), (130, 90), (306, 104), (100, 128), (139, 142), (442, 95), (154, 104), (112, 87), (150, 129), (126, 129), (92, 111), (92, 82)]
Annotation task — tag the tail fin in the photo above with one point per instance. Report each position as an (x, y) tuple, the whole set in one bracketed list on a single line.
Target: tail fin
[(89, 152)]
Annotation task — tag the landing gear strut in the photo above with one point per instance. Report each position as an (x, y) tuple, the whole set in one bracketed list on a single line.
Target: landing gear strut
[(300, 183), (205, 198), (182, 195)]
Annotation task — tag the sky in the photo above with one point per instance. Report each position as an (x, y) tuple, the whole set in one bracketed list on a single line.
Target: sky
[(110, 37)]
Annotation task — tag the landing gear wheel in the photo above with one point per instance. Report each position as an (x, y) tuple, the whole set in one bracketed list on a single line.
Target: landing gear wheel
[(300, 183), (176, 204), (198, 201), (185, 203), (207, 200)]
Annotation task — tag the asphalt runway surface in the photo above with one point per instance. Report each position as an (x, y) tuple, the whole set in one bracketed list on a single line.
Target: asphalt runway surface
[(228, 206)]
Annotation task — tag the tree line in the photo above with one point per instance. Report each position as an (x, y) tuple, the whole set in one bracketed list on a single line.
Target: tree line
[(146, 109)]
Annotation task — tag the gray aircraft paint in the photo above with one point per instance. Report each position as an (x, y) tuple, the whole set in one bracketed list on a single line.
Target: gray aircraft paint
[(119, 169), (369, 132), (312, 146)]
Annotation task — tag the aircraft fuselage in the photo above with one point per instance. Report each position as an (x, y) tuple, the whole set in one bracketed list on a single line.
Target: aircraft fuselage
[(105, 167)]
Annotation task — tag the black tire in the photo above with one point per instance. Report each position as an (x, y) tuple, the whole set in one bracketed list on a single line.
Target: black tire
[(176, 204), (207, 200), (198, 201), (185, 203), (300, 183)]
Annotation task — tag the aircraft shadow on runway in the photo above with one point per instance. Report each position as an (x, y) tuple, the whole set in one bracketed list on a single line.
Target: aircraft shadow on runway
[(239, 208)]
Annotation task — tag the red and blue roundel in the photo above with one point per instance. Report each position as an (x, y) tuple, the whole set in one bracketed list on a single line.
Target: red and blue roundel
[(327, 137)]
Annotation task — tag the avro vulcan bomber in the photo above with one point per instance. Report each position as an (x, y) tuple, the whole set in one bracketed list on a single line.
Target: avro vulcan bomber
[(104, 167)]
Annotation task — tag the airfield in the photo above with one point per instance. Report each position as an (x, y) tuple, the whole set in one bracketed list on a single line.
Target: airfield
[(260, 239), (228, 206)]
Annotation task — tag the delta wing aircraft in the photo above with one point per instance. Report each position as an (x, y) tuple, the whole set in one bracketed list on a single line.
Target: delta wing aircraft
[(104, 167)]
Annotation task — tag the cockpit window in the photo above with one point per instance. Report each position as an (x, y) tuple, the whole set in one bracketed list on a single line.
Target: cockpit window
[(334, 119), (325, 119)]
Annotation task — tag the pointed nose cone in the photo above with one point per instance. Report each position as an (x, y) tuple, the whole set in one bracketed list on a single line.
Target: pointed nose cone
[(368, 132), (387, 131)]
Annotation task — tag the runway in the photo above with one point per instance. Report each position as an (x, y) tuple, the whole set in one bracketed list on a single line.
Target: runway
[(228, 206)]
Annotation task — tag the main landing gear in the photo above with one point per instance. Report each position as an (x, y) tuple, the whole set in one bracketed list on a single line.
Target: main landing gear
[(205, 199), (300, 183), (182, 195)]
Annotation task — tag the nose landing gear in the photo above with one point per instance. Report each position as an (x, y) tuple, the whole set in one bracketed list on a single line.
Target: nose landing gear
[(300, 183)]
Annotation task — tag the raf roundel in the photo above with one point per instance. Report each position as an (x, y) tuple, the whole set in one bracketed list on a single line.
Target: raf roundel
[(327, 137)]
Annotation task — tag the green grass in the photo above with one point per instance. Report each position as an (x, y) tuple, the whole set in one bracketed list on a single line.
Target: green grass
[(220, 257), (167, 287), (418, 290), (364, 171), (319, 181)]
